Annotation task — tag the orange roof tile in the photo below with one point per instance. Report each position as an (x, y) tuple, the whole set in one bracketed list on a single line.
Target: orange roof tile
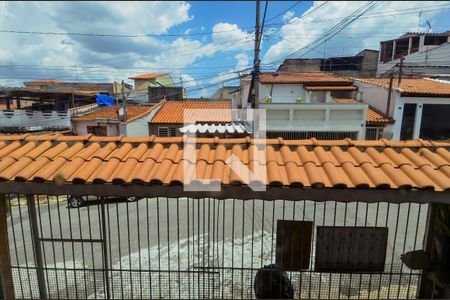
[(110, 112), (412, 87), (310, 78), (173, 112), (414, 164), (45, 81), (147, 76), (330, 88), (373, 115)]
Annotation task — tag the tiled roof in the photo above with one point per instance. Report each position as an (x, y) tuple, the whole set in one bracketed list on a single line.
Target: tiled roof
[(147, 76), (110, 112), (173, 112), (311, 78), (413, 87), (373, 115), (330, 88), (44, 81), (308, 163)]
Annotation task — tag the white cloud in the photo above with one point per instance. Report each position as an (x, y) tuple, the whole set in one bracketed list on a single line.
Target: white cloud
[(243, 62), (232, 37), (366, 32), (287, 16)]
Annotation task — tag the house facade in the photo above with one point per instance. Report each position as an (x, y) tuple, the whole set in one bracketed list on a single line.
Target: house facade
[(109, 121), (303, 105), (420, 107), (426, 53)]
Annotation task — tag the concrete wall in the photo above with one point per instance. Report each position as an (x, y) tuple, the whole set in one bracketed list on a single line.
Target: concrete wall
[(31, 118), (282, 93), (316, 117), (138, 127), (79, 127), (375, 96)]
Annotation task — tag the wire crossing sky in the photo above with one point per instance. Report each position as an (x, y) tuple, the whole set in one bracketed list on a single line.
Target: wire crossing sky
[(203, 44)]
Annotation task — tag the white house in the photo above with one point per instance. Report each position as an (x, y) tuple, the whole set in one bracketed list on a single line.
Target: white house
[(426, 53), (105, 121), (420, 107), (303, 105)]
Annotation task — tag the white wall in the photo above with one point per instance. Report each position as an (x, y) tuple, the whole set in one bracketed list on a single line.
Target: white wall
[(281, 93), (375, 96), (316, 117), (79, 127), (138, 127)]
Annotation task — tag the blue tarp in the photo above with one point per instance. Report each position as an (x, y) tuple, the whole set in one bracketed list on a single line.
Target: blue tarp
[(103, 99)]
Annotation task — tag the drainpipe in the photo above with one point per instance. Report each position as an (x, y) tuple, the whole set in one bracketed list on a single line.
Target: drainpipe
[(388, 104)]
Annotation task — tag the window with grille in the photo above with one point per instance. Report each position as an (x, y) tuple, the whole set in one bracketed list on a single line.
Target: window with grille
[(173, 131), (163, 131)]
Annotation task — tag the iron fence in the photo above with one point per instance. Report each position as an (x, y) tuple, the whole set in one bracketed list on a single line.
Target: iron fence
[(320, 135), (193, 248)]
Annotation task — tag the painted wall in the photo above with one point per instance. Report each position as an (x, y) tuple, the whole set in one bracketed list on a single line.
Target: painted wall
[(282, 93), (79, 127), (375, 96)]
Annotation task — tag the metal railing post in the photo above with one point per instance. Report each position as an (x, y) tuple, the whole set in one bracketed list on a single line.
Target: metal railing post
[(37, 246), (6, 278)]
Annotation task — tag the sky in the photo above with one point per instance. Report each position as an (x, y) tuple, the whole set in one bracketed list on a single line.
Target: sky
[(202, 44)]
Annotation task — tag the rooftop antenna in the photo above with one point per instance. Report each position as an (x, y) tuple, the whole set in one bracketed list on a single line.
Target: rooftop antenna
[(429, 26), (420, 18)]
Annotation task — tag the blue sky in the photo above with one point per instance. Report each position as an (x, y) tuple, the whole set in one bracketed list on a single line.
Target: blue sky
[(207, 44)]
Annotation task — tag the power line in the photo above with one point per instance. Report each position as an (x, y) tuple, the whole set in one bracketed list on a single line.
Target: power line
[(284, 11)]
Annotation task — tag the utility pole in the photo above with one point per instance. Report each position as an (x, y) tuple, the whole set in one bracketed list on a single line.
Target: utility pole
[(400, 70), (388, 103), (254, 92), (124, 103)]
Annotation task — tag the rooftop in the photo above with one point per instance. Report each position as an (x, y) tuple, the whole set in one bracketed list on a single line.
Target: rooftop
[(312, 78), (173, 112), (110, 112), (373, 115), (43, 81), (413, 87), (380, 164), (147, 76), (326, 88)]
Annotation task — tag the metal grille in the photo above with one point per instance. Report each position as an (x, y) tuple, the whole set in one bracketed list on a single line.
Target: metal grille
[(195, 248), (320, 135), (374, 133)]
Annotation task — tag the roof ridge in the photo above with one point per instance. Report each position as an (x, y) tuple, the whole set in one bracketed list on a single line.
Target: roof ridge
[(416, 143)]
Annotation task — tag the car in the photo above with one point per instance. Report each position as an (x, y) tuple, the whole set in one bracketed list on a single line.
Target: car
[(79, 201)]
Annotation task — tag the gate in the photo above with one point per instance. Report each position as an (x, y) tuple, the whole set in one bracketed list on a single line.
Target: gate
[(189, 248)]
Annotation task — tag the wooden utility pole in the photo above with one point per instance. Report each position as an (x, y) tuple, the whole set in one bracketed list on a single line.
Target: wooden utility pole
[(388, 103), (5, 258), (400, 70), (254, 92), (124, 103)]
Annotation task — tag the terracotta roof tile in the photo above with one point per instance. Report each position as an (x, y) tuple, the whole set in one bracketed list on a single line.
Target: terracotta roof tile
[(309, 78), (330, 88), (412, 87), (173, 112), (307, 163), (147, 76), (110, 112), (373, 115)]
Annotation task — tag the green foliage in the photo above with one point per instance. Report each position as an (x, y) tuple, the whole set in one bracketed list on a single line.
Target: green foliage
[(443, 219)]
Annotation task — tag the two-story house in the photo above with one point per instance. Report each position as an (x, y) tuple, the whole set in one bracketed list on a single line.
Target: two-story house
[(419, 107), (426, 53), (307, 104)]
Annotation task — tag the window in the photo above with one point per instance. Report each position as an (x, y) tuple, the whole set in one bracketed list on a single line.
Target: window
[(414, 44), (401, 48), (163, 131), (97, 130), (435, 40), (173, 131)]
